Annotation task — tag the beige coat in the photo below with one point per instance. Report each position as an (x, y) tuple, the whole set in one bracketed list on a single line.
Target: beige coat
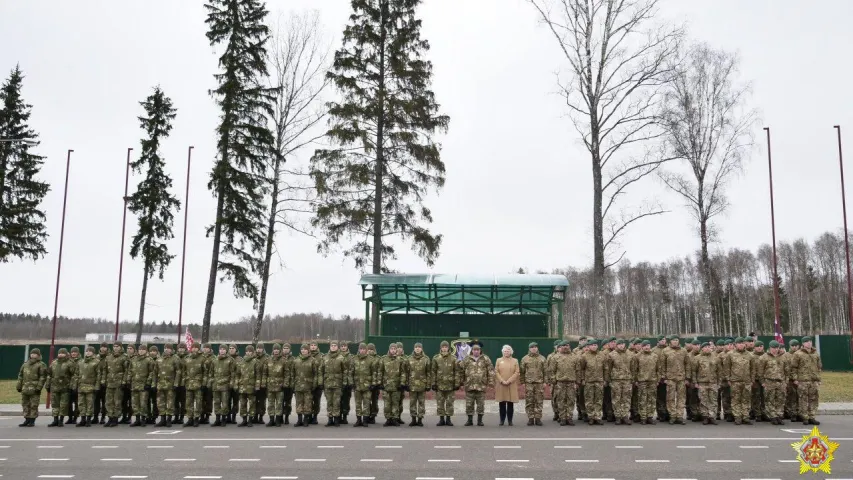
[(506, 369)]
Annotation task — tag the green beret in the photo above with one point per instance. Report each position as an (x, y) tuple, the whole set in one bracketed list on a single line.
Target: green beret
[(706, 344), (36, 351), (759, 343), (565, 343), (721, 342), (304, 346), (774, 344), (371, 346), (661, 337), (806, 339), (362, 345), (557, 343), (794, 342), (673, 337), (90, 349), (75, 350), (250, 348), (533, 344), (154, 348), (696, 341), (169, 346), (61, 351), (645, 342), (740, 340), (582, 339), (276, 346), (590, 340), (418, 344), (444, 343), (729, 341), (621, 341)]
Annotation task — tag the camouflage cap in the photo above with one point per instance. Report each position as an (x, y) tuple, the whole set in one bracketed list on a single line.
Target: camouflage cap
[(285, 346), (143, 347), (153, 348), (774, 344), (168, 346), (232, 345), (759, 343), (276, 346), (371, 346), (794, 342), (533, 344), (581, 339), (117, 343), (61, 351), (90, 348), (392, 345), (476, 346), (222, 346), (75, 350), (250, 348), (806, 339), (362, 345), (418, 345), (105, 345), (195, 346), (304, 346), (36, 351), (130, 347), (399, 344), (259, 346), (444, 343), (313, 342), (333, 342), (206, 345), (182, 345)]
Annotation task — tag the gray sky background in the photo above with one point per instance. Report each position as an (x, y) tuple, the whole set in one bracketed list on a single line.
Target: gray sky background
[(518, 189)]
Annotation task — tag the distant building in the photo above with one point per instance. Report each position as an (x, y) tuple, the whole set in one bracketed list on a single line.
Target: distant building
[(131, 337)]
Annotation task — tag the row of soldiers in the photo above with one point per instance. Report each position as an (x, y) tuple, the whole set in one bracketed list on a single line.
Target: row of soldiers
[(618, 380), (627, 381)]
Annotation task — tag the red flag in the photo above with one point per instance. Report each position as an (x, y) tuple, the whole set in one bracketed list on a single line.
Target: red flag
[(778, 330), (188, 338)]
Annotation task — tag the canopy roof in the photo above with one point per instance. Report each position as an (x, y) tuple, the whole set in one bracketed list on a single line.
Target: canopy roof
[(465, 294)]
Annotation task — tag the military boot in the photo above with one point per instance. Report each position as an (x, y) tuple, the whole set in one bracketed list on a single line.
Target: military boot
[(330, 422), (447, 422), (372, 420), (779, 421), (313, 420), (556, 418), (71, 421), (712, 420), (564, 423), (651, 421), (747, 421), (152, 420), (279, 420), (336, 422), (529, 422), (813, 421), (627, 421), (271, 423), (440, 422), (82, 422), (287, 419), (189, 422), (413, 422), (205, 420), (570, 422), (420, 421), (706, 421), (56, 422), (537, 422), (245, 422), (61, 422), (168, 421), (470, 421), (480, 421), (137, 423), (298, 420), (358, 422), (195, 422), (218, 422), (26, 423), (388, 423), (162, 422), (343, 420), (103, 419)]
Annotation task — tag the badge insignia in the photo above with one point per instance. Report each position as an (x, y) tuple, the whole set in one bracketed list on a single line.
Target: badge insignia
[(815, 452), (461, 349)]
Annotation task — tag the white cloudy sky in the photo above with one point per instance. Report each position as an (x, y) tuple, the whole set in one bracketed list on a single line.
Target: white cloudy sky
[(518, 185)]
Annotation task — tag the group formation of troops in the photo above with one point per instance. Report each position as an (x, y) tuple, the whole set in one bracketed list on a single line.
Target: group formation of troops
[(617, 380)]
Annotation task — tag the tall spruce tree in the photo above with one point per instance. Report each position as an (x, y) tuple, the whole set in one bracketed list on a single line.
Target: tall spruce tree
[(152, 202), (371, 187), (243, 146), (22, 222)]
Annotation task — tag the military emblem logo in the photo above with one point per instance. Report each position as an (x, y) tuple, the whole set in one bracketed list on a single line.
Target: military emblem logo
[(815, 452), (461, 348)]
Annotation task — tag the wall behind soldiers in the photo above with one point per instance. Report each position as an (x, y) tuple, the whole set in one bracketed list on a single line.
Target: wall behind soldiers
[(411, 325)]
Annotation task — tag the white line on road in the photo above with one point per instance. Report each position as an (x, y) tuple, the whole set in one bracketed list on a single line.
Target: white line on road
[(53, 459), (356, 478), (690, 446), (651, 461), (447, 446), (595, 479), (217, 446), (180, 460), (789, 461), (676, 479), (754, 446), (442, 460), (389, 446), (56, 476), (129, 476), (309, 459), (49, 446), (376, 460), (244, 459), (4, 446), (433, 478), (568, 446), (723, 461), (161, 446), (512, 478), (507, 446), (3, 459), (581, 461), (512, 461), (273, 446), (760, 479), (628, 446), (116, 459), (104, 446), (427, 439), (279, 478), (330, 446), (204, 477)]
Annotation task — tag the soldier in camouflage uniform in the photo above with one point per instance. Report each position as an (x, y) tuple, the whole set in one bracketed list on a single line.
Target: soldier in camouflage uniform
[(477, 373), (31, 379), (647, 378), (418, 381), (141, 377), (772, 373), (607, 405), (566, 374), (620, 376), (719, 351), (261, 358), (756, 410), (374, 394), (195, 377), (675, 365), (60, 379), (126, 393), (727, 387), (404, 360), (73, 405), (660, 393), (206, 390), (532, 368), (391, 378), (694, 411), (806, 368), (101, 393), (706, 374), (277, 376), (154, 355), (592, 366), (167, 377), (248, 383), (365, 380), (334, 376), (181, 392), (445, 378), (346, 391), (581, 402), (306, 377), (221, 381), (287, 391), (633, 351), (739, 369), (86, 383), (117, 374), (234, 392), (792, 398), (317, 394), (549, 367)]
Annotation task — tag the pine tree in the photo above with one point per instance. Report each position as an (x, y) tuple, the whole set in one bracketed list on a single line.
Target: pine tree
[(22, 222), (152, 202), (244, 143), (371, 187)]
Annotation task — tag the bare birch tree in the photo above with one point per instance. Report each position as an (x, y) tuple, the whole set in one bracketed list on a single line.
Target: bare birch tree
[(709, 129), (618, 62), (298, 56)]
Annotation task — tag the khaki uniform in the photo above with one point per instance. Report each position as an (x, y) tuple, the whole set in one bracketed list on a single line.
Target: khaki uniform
[(31, 379), (277, 376), (806, 368), (566, 375), (648, 376), (660, 392), (167, 374), (365, 379), (675, 364), (476, 375), (792, 406), (60, 379), (391, 378), (739, 370), (222, 381), (706, 374), (248, 383), (141, 378), (757, 402), (419, 380), (195, 376), (306, 378), (593, 378), (87, 382), (445, 377), (533, 377), (772, 373), (335, 376), (117, 376), (620, 375)]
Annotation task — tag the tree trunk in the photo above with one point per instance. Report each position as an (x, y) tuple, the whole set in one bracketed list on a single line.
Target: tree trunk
[(146, 274), (599, 318), (214, 266), (375, 327), (265, 269), (4, 158)]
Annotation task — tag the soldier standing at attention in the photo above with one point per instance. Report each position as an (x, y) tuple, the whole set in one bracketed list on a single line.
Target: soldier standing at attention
[(346, 391), (234, 392), (807, 366), (739, 370), (334, 377), (675, 367), (445, 382), (648, 375), (306, 376), (195, 378), (706, 375), (533, 377), (207, 388), (31, 379), (621, 377), (719, 350), (261, 359), (116, 374), (222, 381), (364, 379), (167, 377), (477, 373), (287, 391), (549, 367), (404, 360), (101, 393), (391, 381), (277, 374), (633, 351), (727, 391), (567, 373), (126, 394), (154, 355), (581, 402), (757, 412), (660, 394), (181, 393), (693, 409), (609, 414), (593, 379), (792, 406), (418, 381), (141, 376), (86, 382), (73, 406), (60, 379), (772, 373), (374, 394), (248, 383), (317, 394)]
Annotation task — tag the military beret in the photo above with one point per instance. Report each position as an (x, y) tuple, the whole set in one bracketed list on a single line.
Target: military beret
[(153, 348), (621, 341), (759, 343), (206, 345), (143, 347), (276, 346), (739, 340), (116, 344), (90, 349), (533, 344), (250, 348), (582, 339), (729, 341), (721, 342), (774, 344), (75, 350), (611, 339), (444, 343), (794, 342), (62, 350), (706, 344), (304, 346), (169, 346), (807, 339), (696, 341), (590, 340), (661, 337), (104, 344), (36, 351), (419, 344), (476, 347), (371, 346), (362, 345), (333, 342), (557, 342), (195, 346), (182, 345), (645, 342), (673, 337)]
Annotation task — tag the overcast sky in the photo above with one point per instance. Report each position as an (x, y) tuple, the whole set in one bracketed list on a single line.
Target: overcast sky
[(518, 189)]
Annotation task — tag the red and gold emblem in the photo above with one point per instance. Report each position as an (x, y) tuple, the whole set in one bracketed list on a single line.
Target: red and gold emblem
[(815, 452)]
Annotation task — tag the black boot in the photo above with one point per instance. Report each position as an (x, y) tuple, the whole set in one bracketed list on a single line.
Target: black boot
[(71, 421), (168, 421), (371, 420), (189, 422), (313, 420), (279, 420), (413, 422), (151, 420), (470, 421), (82, 422), (479, 420), (537, 422), (89, 422), (343, 420), (298, 420), (420, 422), (336, 422), (245, 422), (447, 422), (440, 422), (103, 419), (61, 422), (196, 422), (218, 422), (358, 422), (529, 422), (330, 422), (137, 423), (55, 422), (388, 423), (26, 423), (287, 419), (205, 420), (271, 423)]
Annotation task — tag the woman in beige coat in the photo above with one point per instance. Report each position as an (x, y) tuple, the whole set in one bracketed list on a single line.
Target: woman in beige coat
[(507, 374)]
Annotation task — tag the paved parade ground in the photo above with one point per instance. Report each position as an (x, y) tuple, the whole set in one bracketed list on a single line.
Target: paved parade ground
[(550, 452)]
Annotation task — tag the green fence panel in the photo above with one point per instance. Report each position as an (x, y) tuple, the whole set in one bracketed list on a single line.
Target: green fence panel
[(491, 345), (835, 352), (450, 325), (11, 358)]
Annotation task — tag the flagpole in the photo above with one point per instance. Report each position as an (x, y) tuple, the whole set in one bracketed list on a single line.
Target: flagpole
[(773, 230)]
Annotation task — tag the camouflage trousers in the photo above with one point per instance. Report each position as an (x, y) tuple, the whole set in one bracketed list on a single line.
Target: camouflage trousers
[(724, 399), (59, 402), (400, 404), (757, 401), (792, 401), (534, 397), (247, 403), (166, 400), (114, 399), (620, 391), (362, 403), (581, 401), (774, 398), (594, 396), (374, 403), (646, 397), (475, 399), (275, 402), (139, 402), (303, 403), (30, 405), (707, 393), (391, 399), (221, 405), (554, 406), (676, 392), (694, 408), (346, 397), (741, 399), (635, 400), (566, 393), (333, 401), (193, 405), (660, 400), (607, 402), (444, 402), (809, 397), (287, 401), (417, 404), (86, 403)]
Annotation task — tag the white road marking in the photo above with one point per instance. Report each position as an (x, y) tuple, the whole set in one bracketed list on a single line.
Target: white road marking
[(760, 479), (754, 446), (507, 446), (651, 461), (4, 446), (273, 446), (116, 459), (442, 460), (356, 478), (628, 446), (447, 446), (104, 446), (309, 459), (129, 476), (676, 479), (430, 440), (789, 461), (376, 460), (244, 459), (512, 461), (180, 460), (581, 461), (690, 446), (207, 477), (330, 446), (50, 446), (53, 459), (3, 459), (389, 446), (217, 446), (161, 446), (512, 478), (433, 478), (568, 446), (723, 461), (165, 432), (56, 476), (279, 478), (595, 479)]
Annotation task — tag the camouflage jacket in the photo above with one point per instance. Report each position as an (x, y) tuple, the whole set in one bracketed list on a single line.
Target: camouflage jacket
[(60, 375), (566, 368), (102, 366), (348, 359), (532, 368), (262, 361), (209, 360), (549, 366), (618, 367), (806, 366), (739, 367), (168, 372), (141, 372), (706, 369), (277, 373), (88, 377), (224, 374), (335, 373), (305, 374), (288, 365), (32, 376), (592, 367), (445, 372), (117, 370), (771, 367), (418, 372), (182, 363), (646, 367), (194, 371), (391, 373), (248, 376), (477, 373), (675, 364), (364, 372)]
